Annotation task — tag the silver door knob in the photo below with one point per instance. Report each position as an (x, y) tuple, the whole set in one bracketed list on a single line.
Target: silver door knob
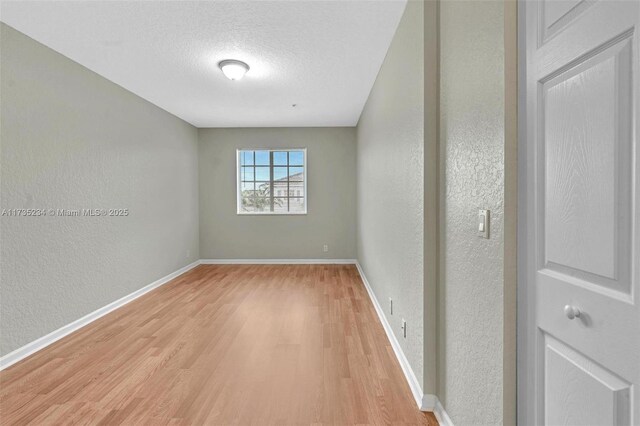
[(571, 312)]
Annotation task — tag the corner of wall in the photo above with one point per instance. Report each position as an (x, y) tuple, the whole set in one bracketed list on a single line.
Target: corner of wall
[(431, 193)]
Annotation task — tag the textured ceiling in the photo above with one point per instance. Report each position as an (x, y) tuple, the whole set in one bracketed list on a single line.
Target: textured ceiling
[(322, 56)]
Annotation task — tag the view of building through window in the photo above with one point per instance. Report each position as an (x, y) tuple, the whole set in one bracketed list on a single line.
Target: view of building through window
[(272, 181)]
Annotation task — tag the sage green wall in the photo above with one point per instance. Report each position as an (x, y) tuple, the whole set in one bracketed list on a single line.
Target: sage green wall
[(331, 203), (71, 139), (391, 185)]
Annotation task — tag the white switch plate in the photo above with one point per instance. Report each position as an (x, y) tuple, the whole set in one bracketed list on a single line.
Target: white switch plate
[(325, 248), (483, 223)]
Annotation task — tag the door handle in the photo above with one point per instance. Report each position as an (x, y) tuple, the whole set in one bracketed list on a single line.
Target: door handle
[(571, 312)]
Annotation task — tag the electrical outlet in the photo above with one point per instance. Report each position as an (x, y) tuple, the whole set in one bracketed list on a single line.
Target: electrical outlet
[(391, 306), (325, 248), (404, 328)]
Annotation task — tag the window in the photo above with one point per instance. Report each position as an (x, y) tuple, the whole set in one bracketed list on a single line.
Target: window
[(272, 181)]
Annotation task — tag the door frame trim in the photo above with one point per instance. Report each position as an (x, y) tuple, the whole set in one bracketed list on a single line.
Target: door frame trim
[(525, 370), (510, 220)]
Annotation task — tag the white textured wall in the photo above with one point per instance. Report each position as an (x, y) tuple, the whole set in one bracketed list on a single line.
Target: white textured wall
[(72, 140), (391, 184), (331, 203), (472, 143)]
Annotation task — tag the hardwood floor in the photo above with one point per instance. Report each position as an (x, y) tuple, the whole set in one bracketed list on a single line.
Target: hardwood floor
[(223, 344)]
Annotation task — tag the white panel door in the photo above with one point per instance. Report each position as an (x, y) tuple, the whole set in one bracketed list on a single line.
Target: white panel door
[(583, 219)]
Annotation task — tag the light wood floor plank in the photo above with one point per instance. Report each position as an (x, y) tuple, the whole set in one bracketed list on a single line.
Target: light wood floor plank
[(219, 345)]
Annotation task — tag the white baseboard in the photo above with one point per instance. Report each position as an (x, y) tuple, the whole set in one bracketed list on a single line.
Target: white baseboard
[(429, 402), (441, 415), (425, 402), (44, 341), (277, 261)]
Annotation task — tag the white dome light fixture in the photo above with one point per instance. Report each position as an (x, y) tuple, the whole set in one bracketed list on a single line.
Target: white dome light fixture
[(233, 69)]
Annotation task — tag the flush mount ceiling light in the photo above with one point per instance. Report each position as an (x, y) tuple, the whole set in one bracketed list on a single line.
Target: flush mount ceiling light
[(233, 69)]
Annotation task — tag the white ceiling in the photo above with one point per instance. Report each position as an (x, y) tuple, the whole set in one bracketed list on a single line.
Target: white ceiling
[(321, 55)]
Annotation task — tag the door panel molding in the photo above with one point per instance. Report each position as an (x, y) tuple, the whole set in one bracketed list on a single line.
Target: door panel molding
[(594, 89), (562, 19), (566, 367)]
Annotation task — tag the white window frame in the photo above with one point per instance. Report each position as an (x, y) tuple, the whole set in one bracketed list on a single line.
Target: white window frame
[(239, 183)]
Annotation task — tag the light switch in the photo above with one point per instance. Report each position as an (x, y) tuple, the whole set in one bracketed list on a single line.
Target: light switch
[(483, 223)]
